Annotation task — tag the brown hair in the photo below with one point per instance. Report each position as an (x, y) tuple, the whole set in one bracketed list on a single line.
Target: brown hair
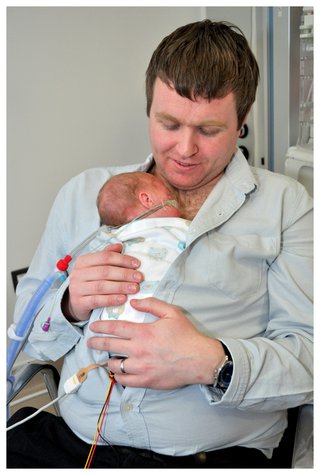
[(206, 59)]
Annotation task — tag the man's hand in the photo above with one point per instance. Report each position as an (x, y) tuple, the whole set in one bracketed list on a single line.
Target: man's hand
[(165, 354), (100, 279)]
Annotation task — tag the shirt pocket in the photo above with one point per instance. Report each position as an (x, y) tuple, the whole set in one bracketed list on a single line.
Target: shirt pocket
[(238, 265)]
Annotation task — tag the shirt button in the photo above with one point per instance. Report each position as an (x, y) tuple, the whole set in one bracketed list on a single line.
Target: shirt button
[(127, 407)]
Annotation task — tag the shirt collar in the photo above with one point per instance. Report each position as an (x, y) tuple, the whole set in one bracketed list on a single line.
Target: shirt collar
[(240, 175), (226, 197)]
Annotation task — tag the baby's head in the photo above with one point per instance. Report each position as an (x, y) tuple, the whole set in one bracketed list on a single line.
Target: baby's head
[(127, 195)]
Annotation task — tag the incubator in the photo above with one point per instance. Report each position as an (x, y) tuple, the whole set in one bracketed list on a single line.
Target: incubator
[(299, 158)]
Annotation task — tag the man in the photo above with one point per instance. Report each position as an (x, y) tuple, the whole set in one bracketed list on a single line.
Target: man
[(210, 381)]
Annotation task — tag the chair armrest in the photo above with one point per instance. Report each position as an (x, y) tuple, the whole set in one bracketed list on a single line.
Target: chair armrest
[(303, 442), (23, 376)]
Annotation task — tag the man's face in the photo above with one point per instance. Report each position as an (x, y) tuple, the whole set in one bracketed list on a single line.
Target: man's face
[(192, 141)]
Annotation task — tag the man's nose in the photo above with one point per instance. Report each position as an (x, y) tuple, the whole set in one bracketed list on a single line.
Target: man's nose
[(187, 144)]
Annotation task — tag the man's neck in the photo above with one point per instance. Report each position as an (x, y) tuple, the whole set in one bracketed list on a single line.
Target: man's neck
[(191, 201)]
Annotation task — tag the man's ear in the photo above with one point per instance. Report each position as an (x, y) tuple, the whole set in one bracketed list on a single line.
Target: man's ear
[(244, 121), (146, 199)]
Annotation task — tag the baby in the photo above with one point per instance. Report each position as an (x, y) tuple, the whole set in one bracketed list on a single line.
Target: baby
[(155, 241)]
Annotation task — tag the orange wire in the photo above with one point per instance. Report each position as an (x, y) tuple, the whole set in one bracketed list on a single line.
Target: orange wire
[(100, 422)]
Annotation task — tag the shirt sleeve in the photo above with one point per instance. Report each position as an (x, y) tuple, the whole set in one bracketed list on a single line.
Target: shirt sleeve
[(72, 218), (275, 370)]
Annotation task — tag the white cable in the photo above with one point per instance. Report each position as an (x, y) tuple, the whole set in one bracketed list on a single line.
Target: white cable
[(71, 386), (35, 413)]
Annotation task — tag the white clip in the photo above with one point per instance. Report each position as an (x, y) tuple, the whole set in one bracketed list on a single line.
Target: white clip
[(12, 333)]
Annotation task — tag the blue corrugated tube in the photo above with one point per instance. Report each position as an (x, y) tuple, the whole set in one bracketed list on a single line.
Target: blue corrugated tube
[(23, 326), (20, 331)]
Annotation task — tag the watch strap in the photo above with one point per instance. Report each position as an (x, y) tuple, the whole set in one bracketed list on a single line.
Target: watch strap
[(226, 351), (227, 362)]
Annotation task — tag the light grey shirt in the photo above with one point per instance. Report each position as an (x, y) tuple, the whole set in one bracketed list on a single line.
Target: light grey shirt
[(245, 277)]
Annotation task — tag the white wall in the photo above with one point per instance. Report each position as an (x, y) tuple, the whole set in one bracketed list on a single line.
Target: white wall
[(75, 99)]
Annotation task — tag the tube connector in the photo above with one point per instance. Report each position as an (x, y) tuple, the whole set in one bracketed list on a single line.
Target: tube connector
[(63, 264), (72, 384)]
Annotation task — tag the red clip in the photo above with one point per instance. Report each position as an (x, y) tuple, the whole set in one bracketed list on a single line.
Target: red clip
[(63, 264)]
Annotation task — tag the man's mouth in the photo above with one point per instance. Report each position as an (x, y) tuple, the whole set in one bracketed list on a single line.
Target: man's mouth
[(184, 165)]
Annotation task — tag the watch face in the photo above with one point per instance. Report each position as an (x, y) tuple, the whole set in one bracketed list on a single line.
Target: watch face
[(225, 374)]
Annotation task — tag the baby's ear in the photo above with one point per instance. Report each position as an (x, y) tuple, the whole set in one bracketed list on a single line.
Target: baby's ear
[(146, 199)]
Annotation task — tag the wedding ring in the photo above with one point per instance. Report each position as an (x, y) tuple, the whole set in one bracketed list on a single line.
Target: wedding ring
[(123, 371)]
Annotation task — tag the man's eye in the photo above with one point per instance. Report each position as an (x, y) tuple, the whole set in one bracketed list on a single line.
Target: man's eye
[(170, 125), (208, 132)]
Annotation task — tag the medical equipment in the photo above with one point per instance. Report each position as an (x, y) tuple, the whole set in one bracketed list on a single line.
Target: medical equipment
[(71, 386), (18, 333)]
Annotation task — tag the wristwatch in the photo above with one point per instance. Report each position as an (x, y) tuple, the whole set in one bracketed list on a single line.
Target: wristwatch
[(222, 376)]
